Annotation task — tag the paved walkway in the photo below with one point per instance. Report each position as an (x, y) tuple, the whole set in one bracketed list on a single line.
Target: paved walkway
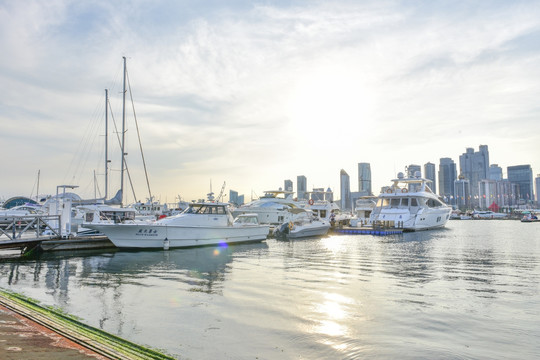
[(21, 338)]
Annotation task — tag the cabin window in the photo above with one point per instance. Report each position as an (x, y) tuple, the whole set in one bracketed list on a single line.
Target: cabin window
[(433, 203), (89, 217), (323, 213), (405, 202), (394, 203), (414, 202), (383, 202)]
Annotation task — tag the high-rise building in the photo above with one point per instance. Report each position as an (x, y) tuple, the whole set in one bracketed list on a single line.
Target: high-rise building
[(345, 183), (462, 190), (412, 169), (233, 197), (487, 193), (288, 185), (537, 180), (495, 172), (364, 178), (474, 166), (329, 195), (523, 176), (447, 176), (429, 173), (301, 187)]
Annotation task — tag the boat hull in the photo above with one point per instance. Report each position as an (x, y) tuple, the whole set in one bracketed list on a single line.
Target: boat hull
[(169, 236), (308, 232)]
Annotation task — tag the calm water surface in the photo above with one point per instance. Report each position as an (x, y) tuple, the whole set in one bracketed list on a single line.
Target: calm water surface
[(470, 291)]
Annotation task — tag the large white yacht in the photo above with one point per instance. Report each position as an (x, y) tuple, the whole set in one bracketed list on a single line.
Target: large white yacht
[(410, 203), (201, 224), (273, 208)]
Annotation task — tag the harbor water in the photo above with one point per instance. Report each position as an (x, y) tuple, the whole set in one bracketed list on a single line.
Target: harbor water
[(469, 291)]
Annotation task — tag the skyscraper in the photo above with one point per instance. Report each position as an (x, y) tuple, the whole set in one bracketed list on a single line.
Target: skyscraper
[(447, 176), (429, 173), (474, 166), (288, 185), (523, 176), (233, 197), (495, 172), (345, 183), (364, 178), (462, 193), (537, 180), (301, 187)]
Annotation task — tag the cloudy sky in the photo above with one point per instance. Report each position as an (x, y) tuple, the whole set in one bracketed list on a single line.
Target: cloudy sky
[(251, 93)]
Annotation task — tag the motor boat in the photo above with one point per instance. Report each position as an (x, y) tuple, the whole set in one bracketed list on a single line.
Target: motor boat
[(488, 214), (305, 224), (329, 211), (530, 217), (410, 204), (363, 208), (272, 208), (201, 224)]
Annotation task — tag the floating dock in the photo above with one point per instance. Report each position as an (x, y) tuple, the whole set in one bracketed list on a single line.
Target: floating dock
[(378, 231)]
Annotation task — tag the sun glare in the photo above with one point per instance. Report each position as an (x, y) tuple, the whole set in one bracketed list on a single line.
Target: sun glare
[(326, 98)]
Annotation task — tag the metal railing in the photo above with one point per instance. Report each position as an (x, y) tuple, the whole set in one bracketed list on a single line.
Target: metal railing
[(14, 228)]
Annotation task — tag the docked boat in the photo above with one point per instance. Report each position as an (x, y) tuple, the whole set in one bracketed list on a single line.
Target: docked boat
[(530, 217), (488, 214), (201, 224), (363, 208), (305, 224), (329, 211), (410, 204), (273, 208)]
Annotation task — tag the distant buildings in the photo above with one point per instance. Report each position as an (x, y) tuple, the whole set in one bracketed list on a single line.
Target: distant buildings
[(288, 185), (537, 180), (447, 177), (412, 169), (495, 172), (462, 196), (522, 175), (429, 173), (235, 199), (474, 166), (364, 178), (301, 187), (345, 187)]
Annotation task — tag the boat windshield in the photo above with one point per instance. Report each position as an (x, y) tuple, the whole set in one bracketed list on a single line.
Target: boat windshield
[(206, 209)]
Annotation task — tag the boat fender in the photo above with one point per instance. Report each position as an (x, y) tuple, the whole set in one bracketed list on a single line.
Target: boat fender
[(404, 190), (310, 201)]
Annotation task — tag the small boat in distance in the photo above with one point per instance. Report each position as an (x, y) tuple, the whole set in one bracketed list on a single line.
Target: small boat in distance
[(409, 203), (201, 224)]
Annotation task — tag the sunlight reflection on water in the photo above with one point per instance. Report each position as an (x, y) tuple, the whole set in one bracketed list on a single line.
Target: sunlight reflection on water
[(468, 291)]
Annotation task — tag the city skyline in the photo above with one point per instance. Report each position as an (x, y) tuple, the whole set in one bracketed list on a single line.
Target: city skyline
[(239, 93)]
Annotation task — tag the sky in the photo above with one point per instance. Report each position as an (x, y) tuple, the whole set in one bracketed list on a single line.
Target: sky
[(246, 94)]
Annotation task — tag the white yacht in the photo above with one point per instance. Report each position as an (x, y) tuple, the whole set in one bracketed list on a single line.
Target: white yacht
[(273, 208), (329, 211), (363, 208), (488, 214), (305, 224), (201, 224), (409, 203)]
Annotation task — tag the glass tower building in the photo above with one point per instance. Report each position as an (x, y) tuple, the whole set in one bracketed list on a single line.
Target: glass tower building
[(364, 178), (447, 177), (301, 187), (429, 173), (345, 183), (523, 176)]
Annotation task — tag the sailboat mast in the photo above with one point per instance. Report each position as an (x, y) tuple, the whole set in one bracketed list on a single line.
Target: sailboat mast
[(106, 142), (123, 133)]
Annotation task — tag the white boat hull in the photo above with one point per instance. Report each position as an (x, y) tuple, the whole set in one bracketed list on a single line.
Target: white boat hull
[(309, 232), (168, 236), (424, 220)]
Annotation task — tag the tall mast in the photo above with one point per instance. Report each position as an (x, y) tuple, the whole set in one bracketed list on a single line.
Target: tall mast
[(123, 134), (106, 142)]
